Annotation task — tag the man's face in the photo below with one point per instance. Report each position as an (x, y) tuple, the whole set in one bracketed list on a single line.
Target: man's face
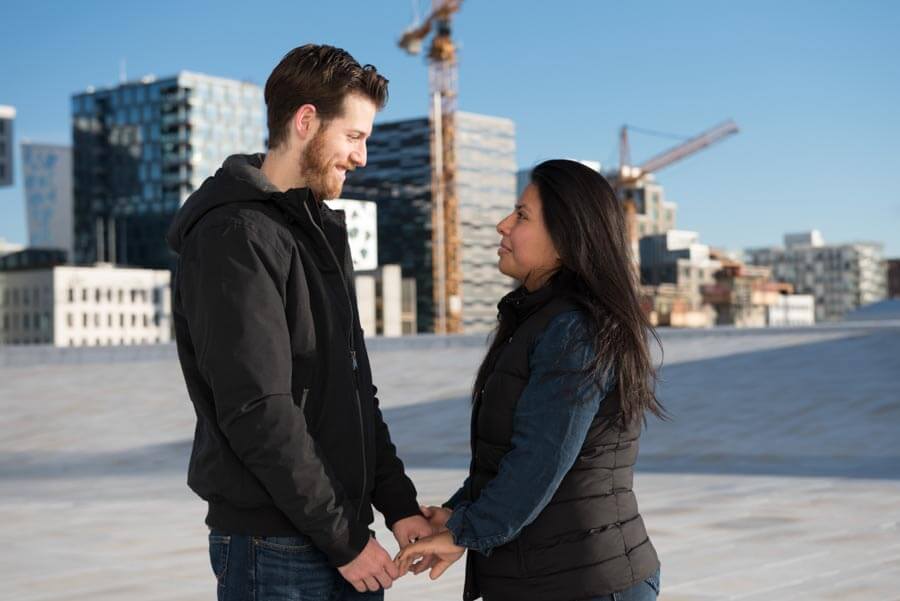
[(337, 147)]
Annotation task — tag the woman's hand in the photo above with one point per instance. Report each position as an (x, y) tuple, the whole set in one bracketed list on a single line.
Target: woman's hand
[(436, 516), (441, 546)]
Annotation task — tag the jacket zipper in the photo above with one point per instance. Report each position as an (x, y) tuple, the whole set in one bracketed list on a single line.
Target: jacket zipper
[(362, 428)]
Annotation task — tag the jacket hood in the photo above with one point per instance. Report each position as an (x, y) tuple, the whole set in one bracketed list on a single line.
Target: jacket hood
[(238, 180)]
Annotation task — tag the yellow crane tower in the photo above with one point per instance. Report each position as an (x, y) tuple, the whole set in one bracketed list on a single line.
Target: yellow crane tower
[(442, 77)]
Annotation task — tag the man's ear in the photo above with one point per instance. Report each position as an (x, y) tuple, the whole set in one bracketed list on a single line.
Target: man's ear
[(305, 122)]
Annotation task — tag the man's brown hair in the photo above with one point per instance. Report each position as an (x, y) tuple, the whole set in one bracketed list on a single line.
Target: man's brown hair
[(322, 76)]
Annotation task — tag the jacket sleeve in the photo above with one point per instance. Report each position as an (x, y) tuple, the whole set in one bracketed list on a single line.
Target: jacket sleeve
[(232, 293), (394, 495)]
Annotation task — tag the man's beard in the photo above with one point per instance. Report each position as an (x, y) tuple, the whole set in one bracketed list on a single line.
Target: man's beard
[(319, 175)]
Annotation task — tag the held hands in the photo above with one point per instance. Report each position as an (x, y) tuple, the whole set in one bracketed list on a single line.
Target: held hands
[(440, 546), (424, 543), (371, 570), (409, 530)]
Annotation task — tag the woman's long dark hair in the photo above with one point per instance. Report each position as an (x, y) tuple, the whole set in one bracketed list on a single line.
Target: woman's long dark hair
[(586, 223)]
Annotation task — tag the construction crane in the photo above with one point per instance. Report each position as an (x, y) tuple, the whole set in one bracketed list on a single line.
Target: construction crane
[(629, 176), (443, 85)]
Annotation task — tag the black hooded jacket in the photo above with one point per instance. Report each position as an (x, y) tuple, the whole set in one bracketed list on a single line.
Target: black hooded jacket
[(289, 436)]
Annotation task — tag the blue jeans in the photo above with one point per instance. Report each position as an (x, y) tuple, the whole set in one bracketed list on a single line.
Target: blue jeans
[(276, 568), (648, 590)]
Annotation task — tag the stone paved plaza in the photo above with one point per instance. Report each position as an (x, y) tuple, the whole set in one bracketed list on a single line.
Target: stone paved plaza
[(777, 479)]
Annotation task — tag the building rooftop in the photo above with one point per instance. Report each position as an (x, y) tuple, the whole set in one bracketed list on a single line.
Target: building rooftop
[(778, 477)]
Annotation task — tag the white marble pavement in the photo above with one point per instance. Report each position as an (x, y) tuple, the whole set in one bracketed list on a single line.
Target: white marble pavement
[(778, 479)]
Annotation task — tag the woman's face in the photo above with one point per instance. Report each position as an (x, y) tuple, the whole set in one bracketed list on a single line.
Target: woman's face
[(526, 251)]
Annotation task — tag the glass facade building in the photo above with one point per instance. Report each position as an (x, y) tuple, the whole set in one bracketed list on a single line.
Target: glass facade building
[(398, 178), (47, 170), (7, 117), (141, 148)]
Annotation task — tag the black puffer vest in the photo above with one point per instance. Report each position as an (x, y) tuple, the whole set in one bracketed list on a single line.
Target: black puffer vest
[(590, 539)]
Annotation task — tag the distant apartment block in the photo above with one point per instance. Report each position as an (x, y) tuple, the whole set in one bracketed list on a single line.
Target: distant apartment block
[(840, 277)]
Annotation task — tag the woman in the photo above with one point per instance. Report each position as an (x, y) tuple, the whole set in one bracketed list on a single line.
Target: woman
[(547, 510)]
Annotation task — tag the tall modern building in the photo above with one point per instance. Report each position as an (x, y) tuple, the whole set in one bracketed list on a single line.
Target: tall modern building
[(140, 148), (841, 277), (47, 170), (398, 177), (7, 116)]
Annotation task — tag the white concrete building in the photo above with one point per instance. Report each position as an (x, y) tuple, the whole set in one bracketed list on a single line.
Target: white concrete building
[(792, 310), (362, 230), (386, 301), (841, 277), (85, 306)]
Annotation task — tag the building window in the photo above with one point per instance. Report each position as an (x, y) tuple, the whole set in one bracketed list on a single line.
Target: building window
[(121, 296), (70, 320), (26, 321), (84, 320), (71, 295), (96, 320), (121, 320), (84, 294)]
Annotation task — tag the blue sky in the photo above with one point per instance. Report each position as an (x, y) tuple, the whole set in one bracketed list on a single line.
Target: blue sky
[(814, 86)]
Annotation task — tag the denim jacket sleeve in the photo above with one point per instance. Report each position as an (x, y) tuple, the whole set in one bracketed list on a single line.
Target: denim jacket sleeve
[(550, 424)]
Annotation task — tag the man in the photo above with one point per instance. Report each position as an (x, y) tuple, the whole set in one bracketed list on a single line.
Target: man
[(290, 449)]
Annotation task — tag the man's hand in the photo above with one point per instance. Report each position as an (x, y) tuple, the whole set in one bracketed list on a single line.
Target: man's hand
[(409, 530), (445, 551), (436, 516), (371, 570)]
